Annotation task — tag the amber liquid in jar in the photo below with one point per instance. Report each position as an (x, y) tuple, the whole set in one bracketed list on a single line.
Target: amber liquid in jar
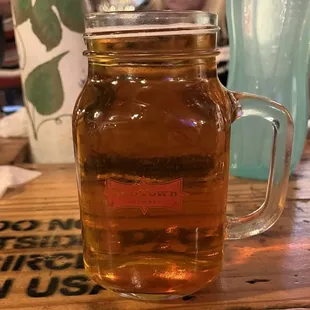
[(155, 119)]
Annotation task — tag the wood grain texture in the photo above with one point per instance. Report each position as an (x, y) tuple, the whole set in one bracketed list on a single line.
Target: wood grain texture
[(269, 271)]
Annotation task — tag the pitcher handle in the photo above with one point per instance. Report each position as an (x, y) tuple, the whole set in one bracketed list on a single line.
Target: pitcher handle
[(282, 124)]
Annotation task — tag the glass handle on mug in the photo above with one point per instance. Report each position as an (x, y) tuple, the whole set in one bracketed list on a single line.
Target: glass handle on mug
[(282, 125)]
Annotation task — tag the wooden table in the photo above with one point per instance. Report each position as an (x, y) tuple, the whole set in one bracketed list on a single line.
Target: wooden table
[(41, 257)]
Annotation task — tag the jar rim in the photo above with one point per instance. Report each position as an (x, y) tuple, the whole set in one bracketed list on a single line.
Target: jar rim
[(124, 24)]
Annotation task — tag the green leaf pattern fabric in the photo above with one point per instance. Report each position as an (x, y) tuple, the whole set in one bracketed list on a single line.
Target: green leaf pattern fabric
[(45, 24), (43, 86)]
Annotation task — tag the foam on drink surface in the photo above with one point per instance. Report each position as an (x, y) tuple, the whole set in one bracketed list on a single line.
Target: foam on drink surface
[(149, 30)]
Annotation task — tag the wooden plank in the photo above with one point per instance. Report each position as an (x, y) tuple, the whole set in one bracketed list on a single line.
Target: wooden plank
[(269, 271)]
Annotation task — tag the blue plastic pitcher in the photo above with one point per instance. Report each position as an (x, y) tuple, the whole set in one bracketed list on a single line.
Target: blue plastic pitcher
[(270, 49)]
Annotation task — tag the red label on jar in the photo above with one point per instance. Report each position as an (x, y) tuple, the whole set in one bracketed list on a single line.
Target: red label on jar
[(145, 195)]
